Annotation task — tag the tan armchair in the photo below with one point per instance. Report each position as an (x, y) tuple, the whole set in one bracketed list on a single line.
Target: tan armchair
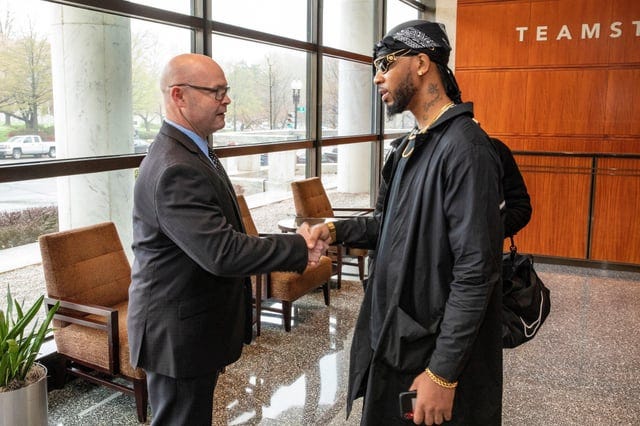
[(287, 287), (311, 200), (88, 271)]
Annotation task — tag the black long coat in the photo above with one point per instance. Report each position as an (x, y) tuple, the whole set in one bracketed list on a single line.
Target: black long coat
[(439, 271)]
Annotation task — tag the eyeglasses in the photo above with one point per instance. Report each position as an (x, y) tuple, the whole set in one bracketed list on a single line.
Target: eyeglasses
[(219, 92), (383, 63)]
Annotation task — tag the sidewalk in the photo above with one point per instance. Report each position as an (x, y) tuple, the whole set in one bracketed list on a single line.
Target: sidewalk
[(19, 257)]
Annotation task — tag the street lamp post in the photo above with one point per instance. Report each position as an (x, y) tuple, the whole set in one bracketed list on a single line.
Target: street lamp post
[(296, 85)]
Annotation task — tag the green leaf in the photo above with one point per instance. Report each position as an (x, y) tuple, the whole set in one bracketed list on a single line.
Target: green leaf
[(4, 327), (25, 319), (20, 340)]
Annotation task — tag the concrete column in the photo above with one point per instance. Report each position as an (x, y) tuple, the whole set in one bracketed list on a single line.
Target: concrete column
[(447, 13), (354, 95), (282, 170), (91, 67)]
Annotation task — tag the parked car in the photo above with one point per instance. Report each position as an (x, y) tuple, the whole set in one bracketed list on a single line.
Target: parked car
[(140, 146), (329, 155), (17, 146)]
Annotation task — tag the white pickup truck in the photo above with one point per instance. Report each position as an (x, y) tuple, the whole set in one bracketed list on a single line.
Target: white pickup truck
[(17, 146)]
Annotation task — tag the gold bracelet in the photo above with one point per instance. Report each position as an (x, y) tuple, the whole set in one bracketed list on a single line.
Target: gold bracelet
[(440, 381), (332, 231)]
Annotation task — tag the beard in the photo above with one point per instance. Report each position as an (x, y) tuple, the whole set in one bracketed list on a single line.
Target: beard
[(402, 97)]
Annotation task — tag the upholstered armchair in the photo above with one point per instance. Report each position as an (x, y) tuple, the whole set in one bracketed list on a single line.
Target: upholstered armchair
[(285, 287), (311, 200), (86, 269)]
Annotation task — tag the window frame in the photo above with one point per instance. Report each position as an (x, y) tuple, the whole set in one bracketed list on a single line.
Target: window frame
[(201, 42)]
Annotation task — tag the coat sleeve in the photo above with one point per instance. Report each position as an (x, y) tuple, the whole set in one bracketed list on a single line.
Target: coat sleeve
[(471, 198), (363, 232), (192, 214)]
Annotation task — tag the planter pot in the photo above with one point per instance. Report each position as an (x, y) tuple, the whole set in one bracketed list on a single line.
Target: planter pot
[(26, 406)]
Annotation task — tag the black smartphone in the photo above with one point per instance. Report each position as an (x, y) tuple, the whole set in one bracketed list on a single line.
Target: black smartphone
[(407, 403)]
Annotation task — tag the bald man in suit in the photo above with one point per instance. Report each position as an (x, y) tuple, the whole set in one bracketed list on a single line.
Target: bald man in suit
[(190, 296)]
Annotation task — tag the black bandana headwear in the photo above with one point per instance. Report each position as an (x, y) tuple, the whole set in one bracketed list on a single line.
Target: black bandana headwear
[(425, 37)]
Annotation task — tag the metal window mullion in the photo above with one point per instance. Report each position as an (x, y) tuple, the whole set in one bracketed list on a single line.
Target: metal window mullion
[(316, 75), (377, 122)]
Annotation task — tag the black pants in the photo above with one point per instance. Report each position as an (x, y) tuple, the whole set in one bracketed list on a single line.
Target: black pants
[(176, 402)]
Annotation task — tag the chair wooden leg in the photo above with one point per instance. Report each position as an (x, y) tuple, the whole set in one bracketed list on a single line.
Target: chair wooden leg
[(58, 372), (361, 267), (142, 398), (325, 292), (286, 315)]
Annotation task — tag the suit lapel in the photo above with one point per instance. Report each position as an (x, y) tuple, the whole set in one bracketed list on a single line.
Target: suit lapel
[(186, 142)]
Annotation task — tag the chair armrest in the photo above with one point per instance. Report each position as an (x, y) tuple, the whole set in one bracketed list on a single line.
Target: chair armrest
[(76, 313)]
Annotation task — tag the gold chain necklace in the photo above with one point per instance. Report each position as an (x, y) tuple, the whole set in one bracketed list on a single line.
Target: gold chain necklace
[(408, 150)]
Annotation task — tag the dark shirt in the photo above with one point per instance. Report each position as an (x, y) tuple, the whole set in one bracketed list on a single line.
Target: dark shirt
[(518, 203)]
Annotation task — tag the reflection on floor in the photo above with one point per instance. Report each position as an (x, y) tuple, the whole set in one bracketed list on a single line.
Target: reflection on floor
[(582, 368)]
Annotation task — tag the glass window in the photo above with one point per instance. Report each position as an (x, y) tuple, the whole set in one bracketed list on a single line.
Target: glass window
[(147, 62), (346, 171), (348, 25), (346, 98), (398, 12), (180, 6), (265, 16), (83, 83), (97, 94), (268, 92), (402, 122), (31, 208), (265, 180)]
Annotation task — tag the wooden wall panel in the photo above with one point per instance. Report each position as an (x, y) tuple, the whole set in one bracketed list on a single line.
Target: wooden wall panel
[(487, 36), (559, 188), (571, 143), (623, 103), (562, 21), (626, 49), (577, 94), (566, 102), (616, 223), (547, 32), (500, 111)]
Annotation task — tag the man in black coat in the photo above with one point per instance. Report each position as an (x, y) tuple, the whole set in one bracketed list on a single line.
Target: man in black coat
[(430, 320), (190, 298)]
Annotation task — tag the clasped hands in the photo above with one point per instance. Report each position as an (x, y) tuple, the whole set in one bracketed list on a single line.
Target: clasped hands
[(317, 238)]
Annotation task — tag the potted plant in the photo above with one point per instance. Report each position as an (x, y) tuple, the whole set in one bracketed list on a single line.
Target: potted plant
[(23, 384)]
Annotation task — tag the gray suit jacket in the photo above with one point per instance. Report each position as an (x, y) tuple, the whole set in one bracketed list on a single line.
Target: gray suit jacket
[(189, 300)]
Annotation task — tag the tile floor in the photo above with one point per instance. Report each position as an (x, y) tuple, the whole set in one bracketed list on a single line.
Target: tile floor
[(582, 368)]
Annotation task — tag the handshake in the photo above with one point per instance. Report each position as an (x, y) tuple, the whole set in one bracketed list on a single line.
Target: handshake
[(318, 239)]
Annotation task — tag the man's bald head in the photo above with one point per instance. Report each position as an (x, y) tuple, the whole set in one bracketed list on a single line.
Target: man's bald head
[(190, 83), (189, 68)]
